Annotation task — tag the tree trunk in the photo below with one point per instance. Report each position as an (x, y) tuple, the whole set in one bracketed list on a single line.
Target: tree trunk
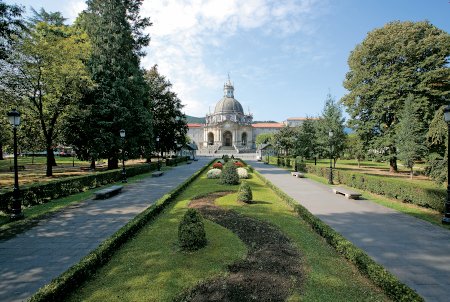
[(411, 174), (92, 167), (393, 165), (359, 163), (113, 163), (1, 151), (50, 160)]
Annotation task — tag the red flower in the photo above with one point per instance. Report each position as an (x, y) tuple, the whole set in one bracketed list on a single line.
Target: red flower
[(217, 166)]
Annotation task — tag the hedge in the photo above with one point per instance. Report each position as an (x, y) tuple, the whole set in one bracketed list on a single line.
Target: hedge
[(392, 287), (404, 191), (42, 193), (67, 282)]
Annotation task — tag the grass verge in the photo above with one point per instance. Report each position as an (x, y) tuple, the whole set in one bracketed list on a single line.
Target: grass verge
[(151, 268)]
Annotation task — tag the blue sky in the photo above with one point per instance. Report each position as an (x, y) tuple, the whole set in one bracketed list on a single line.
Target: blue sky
[(283, 56)]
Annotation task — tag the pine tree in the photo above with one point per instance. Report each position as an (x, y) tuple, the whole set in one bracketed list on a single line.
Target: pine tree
[(410, 138), (118, 101)]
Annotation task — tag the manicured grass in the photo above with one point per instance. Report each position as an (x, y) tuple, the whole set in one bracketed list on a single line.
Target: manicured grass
[(152, 268)]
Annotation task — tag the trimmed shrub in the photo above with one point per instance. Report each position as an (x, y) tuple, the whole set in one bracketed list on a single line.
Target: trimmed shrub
[(225, 157), (245, 193), (238, 164), (391, 285), (214, 173), (405, 191), (242, 172), (191, 231), (229, 175), (60, 287), (217, 165)]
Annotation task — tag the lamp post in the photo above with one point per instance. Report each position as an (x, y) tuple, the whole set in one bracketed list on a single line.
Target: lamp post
[(16, 211), (124, 173), (176, 148), (157, 152), (446, 218), (330, 180)]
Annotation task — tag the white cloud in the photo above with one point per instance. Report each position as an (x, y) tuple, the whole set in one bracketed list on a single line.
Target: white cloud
[(73, 8), (183, 31)]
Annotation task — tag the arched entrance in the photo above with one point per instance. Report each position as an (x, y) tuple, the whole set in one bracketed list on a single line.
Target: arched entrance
[(227, 139), (244, 139), (210, 138)]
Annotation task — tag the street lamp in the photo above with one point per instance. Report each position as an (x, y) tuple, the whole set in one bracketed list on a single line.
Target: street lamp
[(176, 149), (124, 173), (16, 211), (446, 218), (157, 152), (330, 180)]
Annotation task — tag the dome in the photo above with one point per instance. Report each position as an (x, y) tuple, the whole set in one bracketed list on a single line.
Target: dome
[(228, 105)]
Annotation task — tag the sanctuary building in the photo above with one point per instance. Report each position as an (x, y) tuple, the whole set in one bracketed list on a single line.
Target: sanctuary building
[(229, 129)]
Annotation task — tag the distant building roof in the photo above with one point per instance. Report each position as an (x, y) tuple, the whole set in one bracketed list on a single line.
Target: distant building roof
[(194, 125), (268, 125)]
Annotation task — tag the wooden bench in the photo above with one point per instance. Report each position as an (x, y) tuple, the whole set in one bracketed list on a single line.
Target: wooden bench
[(108, 192), (298, 174), (157, 173), (347, 193), (19, 168), (188, 162)]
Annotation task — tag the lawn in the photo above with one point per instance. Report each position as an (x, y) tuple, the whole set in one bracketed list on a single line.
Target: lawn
[(151, 267)]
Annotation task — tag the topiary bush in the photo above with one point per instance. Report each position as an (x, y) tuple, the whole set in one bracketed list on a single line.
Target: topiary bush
[(245, 193), (229, 174), (191, 231), (242, 173), (214, 174)]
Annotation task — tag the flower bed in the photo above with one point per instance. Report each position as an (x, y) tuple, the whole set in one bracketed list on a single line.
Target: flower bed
[(242, 172), (214, 173)]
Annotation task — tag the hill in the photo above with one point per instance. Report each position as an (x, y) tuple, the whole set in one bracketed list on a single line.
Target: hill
[(195, 120)]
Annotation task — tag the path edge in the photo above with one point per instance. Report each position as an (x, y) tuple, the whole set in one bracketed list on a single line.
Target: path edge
[(390, 284), (75, 276)]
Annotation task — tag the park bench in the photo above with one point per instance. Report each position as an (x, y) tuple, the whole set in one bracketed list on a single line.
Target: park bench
[(108, 192), (19, 168), (188, 162), (157, 173), (298, 174), (349, 194)]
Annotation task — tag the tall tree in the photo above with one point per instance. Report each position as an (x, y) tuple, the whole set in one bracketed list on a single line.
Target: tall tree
[(169, 122), (12, 25), (392, 62), (285, 140), (331, 120), (306, 141), (437, 137), (47, 73), (119, 99), (410, 137), (264, 138), (355, 148)]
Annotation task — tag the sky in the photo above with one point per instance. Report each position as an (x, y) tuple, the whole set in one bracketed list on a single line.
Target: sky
[(283, 56)]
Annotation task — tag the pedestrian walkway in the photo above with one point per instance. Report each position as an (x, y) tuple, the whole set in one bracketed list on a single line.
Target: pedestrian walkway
[(33, 258), (417, 252)]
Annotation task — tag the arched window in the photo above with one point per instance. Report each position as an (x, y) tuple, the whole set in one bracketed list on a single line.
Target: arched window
[(210, 138), (244, 139)]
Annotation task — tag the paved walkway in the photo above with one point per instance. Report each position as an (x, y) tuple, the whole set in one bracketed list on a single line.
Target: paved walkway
[(417, 252), (33, 258)]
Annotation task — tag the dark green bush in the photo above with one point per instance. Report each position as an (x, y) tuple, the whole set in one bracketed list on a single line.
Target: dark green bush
[(60, 287), (42, 193), (399, 189), (393, 287), (229, 174), (245, 193), (191, 231)]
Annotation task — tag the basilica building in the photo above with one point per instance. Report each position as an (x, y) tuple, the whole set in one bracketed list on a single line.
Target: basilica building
[(229, 129)]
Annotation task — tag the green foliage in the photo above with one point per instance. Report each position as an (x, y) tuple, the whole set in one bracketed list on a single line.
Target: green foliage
[(120, 94), (60, 287), (264, 138), (229, 174), (393, 287), (410, 138), (306, 141), (331, 120), (415, 54), (437, 137), (354, 148), (421, 195), (43, 193), (169, 122), (284, 139), (11, 26), (245, 193), (191, 231)]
